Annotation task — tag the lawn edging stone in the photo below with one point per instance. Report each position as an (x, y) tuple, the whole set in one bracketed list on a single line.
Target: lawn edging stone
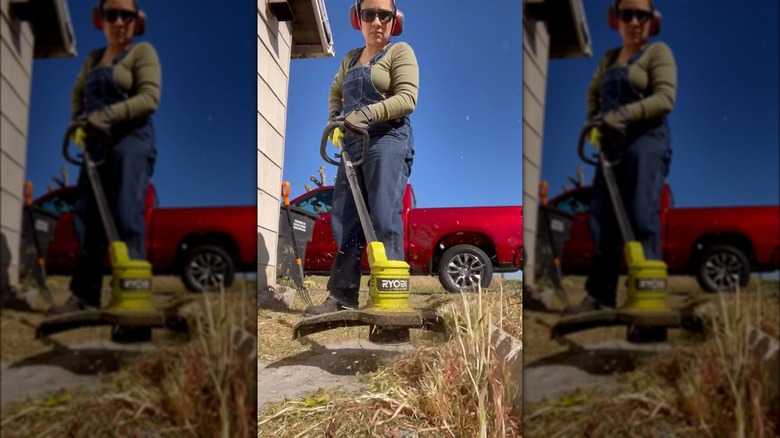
[(510, 350), (767, 349)]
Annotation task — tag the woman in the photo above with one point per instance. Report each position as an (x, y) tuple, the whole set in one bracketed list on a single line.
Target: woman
[(376, 87), (116, 91), (632, 92)]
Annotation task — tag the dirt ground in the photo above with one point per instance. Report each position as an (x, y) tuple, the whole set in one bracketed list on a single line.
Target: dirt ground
[(338, 359), (601, 358), (331, 359), (82, 359)]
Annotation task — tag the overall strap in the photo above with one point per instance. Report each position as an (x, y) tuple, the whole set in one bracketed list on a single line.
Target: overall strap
[(373, 61), (379, 55), (355, 58)]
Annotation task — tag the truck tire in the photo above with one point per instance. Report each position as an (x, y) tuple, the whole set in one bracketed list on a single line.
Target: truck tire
[(459, 267), (717, 266), (203, 267)]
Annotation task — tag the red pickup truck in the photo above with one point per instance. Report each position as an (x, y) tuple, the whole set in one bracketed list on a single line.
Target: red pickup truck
[(714, 244), (198, 244), (457, 244)]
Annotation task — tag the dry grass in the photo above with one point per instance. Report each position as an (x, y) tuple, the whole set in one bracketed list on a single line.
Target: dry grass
[(714, 388), (275, 328), (537, 343), (452, 389), (18, 341), (202, 388)]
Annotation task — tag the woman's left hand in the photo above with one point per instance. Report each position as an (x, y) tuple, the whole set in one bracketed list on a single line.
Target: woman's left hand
[(616, 120), (101, 120), (359, 119)]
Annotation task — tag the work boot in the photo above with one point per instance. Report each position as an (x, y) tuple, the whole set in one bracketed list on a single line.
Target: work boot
[(74, 304), (588, 304), (329, 306)]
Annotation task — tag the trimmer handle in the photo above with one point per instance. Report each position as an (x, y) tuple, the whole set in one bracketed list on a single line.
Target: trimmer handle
[(583, 136), (28, 193), (79, 123), (543, 189), (339, 123), (598, 123), (286, 193)]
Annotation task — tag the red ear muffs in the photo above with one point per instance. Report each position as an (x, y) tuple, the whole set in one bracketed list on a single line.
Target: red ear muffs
[(140, 22), (398, 22), (354, 19), (655, 24), (97, 18), (398, 25)]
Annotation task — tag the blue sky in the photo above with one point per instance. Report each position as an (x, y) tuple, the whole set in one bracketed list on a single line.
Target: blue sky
[(467, 125), (468, 122), (725, 124), (207, 123)]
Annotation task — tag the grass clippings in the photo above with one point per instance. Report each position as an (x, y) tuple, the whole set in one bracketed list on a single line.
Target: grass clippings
[(715, 388), (204, 387), (456, 388)]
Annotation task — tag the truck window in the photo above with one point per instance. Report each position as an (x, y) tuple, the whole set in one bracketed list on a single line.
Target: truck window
[(58, 204), (317, 203), (577, 203)]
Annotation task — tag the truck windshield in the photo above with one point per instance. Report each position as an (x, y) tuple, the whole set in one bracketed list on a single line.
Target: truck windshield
[(576, 203), (318, 203), (60, 203)]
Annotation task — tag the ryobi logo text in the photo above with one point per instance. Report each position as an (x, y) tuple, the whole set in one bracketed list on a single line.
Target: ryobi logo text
[(389, 284), (135, 284), (650, 284)]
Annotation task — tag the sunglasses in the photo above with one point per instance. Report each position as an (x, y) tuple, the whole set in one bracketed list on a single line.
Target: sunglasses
[(368, 15), (112, 15), (627, 15)]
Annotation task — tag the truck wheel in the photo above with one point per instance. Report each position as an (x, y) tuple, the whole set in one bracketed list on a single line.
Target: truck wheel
[(722, 267), (206, 267), (461, 266)]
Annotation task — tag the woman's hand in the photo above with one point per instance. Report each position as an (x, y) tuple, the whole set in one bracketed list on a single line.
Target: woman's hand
[(359, 119), (616, 120), (101, 121)]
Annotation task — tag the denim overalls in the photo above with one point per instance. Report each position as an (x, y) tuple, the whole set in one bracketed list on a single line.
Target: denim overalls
[(125, 177), (640, 177), (383, 179)]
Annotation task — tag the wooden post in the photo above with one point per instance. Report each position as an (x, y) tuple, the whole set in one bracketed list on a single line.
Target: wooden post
[(64, 172), (322, 176)]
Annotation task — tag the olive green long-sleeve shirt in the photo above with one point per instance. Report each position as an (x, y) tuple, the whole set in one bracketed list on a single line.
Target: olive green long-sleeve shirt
[(138, 75), (396, 76), (653, 75)]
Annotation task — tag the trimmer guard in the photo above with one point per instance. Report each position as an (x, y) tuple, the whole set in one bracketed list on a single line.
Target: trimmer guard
[(167, 317), (386, 327), (683, 317)]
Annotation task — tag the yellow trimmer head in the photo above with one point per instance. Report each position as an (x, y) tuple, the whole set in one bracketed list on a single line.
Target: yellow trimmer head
[(647, 281)]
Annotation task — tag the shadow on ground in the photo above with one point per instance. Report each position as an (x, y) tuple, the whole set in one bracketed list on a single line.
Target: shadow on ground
[(346, 359), (602, 361), (81, 361)]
